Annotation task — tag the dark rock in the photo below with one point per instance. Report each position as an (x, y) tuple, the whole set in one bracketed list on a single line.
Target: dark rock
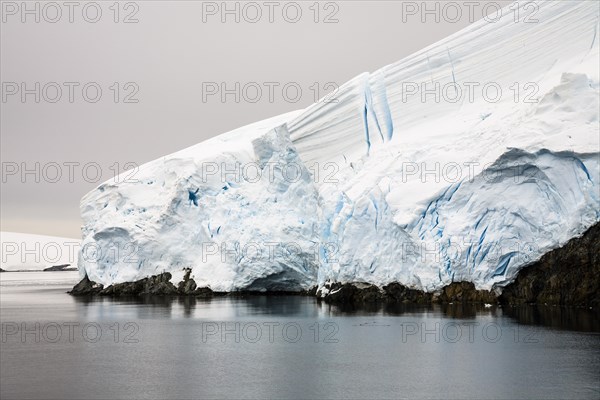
[(86, 288), (154, 285), (569, 275), (465, 292), (310, 292), (370, 294), (205, 293), (187, 285), (353, 293), (398, 293), (123, 289), (157, 285), (342, 293)]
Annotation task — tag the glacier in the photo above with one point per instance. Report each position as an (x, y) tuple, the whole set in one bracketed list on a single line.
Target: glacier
[(466, 161)]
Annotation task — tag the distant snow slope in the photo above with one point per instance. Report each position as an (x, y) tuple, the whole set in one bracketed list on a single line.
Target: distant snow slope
[(27, 252), (387, 182)]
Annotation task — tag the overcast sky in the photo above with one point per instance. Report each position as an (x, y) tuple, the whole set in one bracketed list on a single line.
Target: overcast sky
[(155, 74)]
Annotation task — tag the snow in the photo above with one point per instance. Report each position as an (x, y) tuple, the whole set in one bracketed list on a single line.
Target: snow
[(67, 279), (28, 252), (382, 184)]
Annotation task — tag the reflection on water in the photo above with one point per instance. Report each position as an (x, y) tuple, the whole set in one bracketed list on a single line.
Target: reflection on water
[(577, 319), (287, 347), (564, 318)]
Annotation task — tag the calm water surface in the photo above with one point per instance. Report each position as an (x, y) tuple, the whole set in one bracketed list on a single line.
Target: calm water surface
[(57, 346)]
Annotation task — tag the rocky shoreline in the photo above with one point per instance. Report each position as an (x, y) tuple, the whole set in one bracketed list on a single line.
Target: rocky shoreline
[(155, 285), (361, 293), (568, 276)]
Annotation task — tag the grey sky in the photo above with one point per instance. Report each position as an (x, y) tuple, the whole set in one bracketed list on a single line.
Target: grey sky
[(170, 54)]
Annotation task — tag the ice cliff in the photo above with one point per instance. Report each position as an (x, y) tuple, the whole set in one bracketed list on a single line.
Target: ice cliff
[(466, 161)]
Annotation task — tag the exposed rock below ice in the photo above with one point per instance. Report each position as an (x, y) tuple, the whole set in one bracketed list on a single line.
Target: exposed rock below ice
[(86, 287), (155, 285), (357, 294), (569, 275)]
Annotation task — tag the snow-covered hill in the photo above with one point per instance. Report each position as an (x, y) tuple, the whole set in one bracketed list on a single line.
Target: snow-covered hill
[(465, 161), (28, 252)]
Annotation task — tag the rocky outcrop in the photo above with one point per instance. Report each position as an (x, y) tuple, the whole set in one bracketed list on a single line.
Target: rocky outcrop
[(360, 293), (569, 275), (352, 293), (465, 292), (398, 293), (86, 287), (189, 287), (154, 285), (157, 285)]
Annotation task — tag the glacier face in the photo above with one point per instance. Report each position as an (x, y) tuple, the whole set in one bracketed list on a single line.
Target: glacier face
[(396, 179)]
